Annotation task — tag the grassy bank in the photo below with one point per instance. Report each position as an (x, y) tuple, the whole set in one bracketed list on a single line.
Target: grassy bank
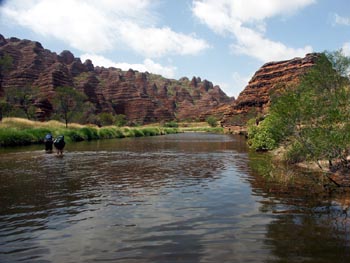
[(16, 131), (199, 127), (193, 127), (203, 129)]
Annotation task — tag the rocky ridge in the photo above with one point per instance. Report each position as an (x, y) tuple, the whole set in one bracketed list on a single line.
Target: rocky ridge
[(255, 98), (141, 96)]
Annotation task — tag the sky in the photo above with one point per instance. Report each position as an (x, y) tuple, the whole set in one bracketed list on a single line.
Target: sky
[(223, 41)]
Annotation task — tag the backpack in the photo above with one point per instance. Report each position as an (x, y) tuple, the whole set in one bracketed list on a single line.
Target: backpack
[(48, 137), (59, 141)]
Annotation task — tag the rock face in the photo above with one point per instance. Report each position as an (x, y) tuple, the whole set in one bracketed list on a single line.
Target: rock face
[(255, 98), (142, 97)]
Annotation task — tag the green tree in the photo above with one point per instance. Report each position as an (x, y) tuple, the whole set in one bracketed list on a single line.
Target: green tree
[(5, 64), (313, 119), (212, 121), (20, 100), (67, 103), (5, 108)]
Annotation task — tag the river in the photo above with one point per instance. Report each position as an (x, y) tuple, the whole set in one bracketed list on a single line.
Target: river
[(191, 197)]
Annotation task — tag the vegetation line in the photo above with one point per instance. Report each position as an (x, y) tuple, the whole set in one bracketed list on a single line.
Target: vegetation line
[(17, 131)]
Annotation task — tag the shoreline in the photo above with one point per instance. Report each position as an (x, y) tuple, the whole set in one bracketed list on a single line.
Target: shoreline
[(336, 179), (22, 132)]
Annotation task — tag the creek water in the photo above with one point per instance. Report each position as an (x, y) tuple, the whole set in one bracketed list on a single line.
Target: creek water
[(189, 197)]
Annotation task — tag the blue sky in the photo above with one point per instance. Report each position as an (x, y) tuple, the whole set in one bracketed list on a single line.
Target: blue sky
[(223, 41)]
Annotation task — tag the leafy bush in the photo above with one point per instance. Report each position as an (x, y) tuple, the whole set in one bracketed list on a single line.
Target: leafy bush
[(106, 118), (260, 138), (212, 121), (295, 153), (120, 120)]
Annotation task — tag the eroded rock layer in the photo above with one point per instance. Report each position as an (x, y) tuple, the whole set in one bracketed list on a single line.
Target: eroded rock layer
[(255, 98), (141, 97)]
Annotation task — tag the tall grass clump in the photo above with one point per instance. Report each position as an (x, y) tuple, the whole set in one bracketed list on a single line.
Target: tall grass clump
[(37, 134), (137, 133), (89, 133), (150, 131), (110, 132), (73, 136), (165, 131), (13, 137)]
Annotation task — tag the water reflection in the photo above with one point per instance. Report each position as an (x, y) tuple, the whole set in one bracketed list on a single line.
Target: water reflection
[(177, 198), (309, 225)]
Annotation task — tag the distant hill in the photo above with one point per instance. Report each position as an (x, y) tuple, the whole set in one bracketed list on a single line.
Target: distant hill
[(141, 96)]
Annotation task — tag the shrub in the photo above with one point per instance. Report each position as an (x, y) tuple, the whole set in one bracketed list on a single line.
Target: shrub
[(295, 153), (120, 120), (262, 137), (212, 121), (106, 118)]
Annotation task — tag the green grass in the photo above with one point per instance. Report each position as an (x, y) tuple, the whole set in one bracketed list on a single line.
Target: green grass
[(17, 131), (203, 129)]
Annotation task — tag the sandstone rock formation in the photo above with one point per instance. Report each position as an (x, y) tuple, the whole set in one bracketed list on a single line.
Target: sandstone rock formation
[(142, 97), (255, 98)]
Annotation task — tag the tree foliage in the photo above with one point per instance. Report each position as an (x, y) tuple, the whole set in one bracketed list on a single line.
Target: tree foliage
[(68, 103), (212, 121), (6, 62), (19, 102), (312, 119)]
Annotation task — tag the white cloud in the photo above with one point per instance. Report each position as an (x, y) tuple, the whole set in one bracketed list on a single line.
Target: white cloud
[(239, 81), (340, 20), (346, 49), (235, 85), (246, 21), (156, 42), (97, 26), (148, 65)]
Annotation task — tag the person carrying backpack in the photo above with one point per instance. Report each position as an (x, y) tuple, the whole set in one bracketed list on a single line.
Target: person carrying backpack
[(59, 144), (48, 142)]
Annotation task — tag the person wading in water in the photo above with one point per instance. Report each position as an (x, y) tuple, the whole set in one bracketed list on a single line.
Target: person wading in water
[(48, 142), (59, 144)]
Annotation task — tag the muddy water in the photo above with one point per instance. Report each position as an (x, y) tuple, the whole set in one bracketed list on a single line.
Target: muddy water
[(175, 198)]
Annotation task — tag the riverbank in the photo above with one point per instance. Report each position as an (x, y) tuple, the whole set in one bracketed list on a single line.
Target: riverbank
[(320, 172), (192, 127), (17, 131)]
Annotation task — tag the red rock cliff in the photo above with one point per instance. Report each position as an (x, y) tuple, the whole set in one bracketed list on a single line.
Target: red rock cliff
[(142, 97), (255, 98)]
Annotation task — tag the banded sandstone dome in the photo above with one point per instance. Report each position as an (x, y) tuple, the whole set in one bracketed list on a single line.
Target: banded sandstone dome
[(256, 97), (141, 96)]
